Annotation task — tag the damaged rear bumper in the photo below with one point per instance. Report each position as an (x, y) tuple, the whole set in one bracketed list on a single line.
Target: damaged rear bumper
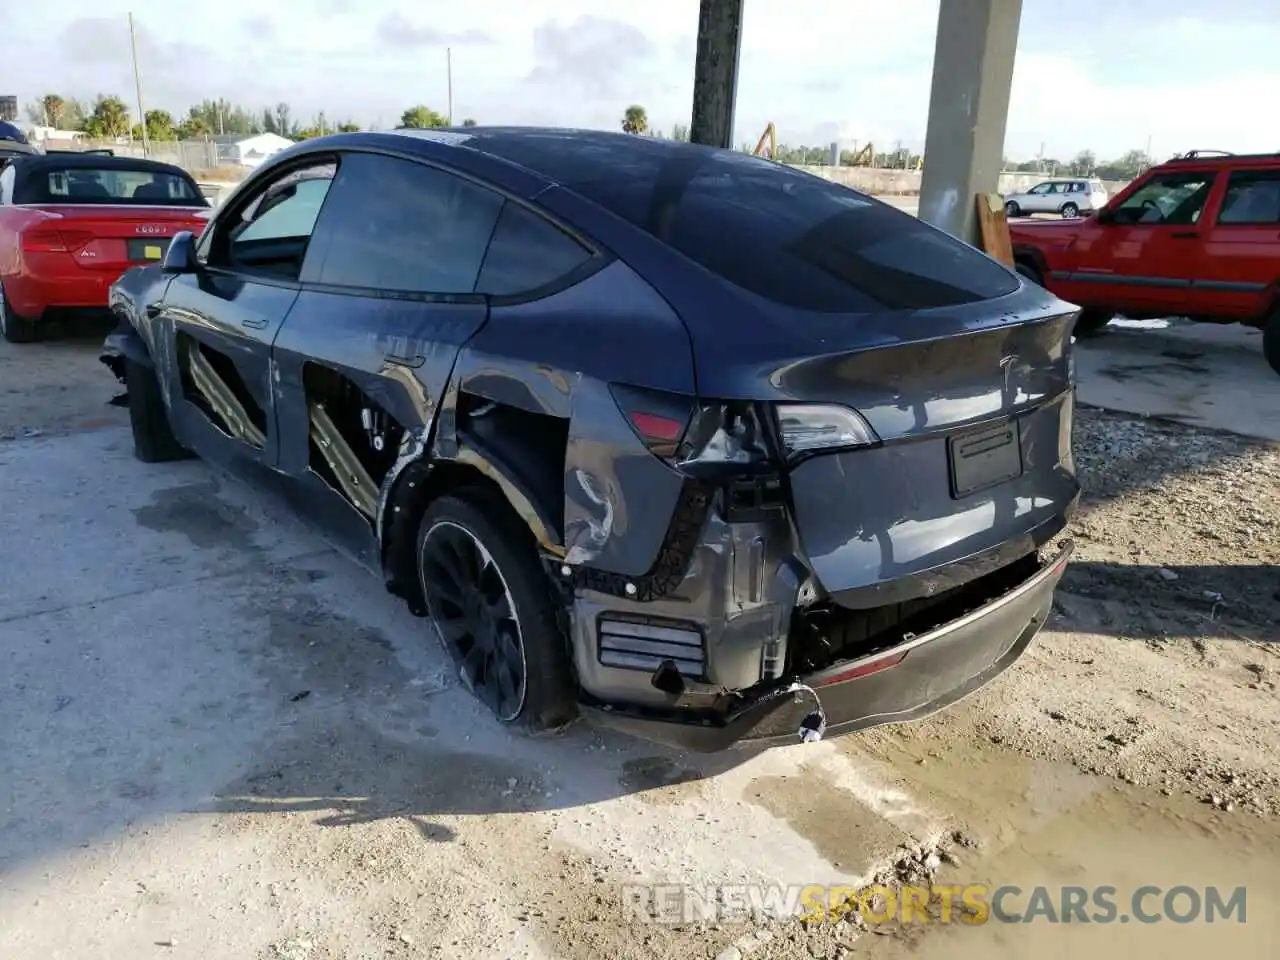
[(904, 682)]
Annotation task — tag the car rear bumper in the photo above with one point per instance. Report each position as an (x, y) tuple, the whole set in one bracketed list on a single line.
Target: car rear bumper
[(904, 682), (34, 298)]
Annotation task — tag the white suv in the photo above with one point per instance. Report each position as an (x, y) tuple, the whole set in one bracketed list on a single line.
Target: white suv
[(1069, 197)]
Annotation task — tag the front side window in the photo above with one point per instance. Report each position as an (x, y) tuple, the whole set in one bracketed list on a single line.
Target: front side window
[(270, 234), (1168, 198), (1253, 197), (1040, 189), (401, 226)]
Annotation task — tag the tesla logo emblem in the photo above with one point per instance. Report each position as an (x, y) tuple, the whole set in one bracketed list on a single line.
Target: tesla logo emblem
[(151, 229), (1006, 371)]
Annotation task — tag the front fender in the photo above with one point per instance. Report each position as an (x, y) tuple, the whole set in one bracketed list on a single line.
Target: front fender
[(124, 343)]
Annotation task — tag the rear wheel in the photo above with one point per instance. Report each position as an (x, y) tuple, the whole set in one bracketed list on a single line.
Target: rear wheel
[(1070, 210), (14, 328), (1271, 341), (491, 604), (153, 439), (1011, 209)]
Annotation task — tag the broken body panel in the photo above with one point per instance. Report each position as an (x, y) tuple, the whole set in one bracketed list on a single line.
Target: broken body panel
[(712, 578)]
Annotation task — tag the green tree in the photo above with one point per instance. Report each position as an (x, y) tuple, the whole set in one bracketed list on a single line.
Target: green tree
[(54, 110), (348, 127), (159, 126), (635, 120), (1084, 163), (468, 122), (194, 128), (421, 117), (680, 132), (110, 118)]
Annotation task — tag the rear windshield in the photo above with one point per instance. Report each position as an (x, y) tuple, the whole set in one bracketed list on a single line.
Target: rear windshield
[(793, 238), (114, 185)]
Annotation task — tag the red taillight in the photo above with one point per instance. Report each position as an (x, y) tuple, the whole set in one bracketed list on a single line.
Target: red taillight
[(42, 240), (48, 239), (658, 418)]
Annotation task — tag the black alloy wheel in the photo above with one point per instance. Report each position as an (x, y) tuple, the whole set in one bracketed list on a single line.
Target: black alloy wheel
[(474, 613)]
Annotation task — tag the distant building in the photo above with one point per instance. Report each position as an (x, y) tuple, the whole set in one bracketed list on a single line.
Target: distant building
[(251, 150)]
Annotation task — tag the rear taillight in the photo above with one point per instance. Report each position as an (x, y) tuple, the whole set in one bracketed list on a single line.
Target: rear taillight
[(47, 239), (42, 240), (811, 427), (658, 418)]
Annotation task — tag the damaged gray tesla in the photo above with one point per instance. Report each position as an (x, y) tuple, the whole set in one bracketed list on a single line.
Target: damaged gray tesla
[(684, 440)]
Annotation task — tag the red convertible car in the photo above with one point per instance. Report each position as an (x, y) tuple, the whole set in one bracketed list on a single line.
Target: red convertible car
[(71, 224)]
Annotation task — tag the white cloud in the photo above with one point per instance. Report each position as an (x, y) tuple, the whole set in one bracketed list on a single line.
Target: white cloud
[(820, 69)]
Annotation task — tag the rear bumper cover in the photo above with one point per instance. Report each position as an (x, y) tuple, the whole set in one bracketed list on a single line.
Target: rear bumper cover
[(905, 682), (32, 297)]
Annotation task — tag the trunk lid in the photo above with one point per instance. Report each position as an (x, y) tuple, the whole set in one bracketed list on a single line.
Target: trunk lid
[(972, 407), (111, 237)]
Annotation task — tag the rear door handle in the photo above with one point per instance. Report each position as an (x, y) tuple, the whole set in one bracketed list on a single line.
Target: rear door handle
[(1184, 234)]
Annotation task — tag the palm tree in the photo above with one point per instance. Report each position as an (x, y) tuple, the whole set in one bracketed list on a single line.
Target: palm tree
[(635, 120)]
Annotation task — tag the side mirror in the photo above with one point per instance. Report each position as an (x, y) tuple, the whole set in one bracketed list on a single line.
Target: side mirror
[(181, 255)]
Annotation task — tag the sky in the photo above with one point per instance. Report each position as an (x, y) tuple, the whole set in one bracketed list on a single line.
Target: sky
[(1103, 75)]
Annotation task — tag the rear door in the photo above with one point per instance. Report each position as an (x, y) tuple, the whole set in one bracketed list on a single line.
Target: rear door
[(218, 323), (1147, 250), (1242, 252), (363, 359)]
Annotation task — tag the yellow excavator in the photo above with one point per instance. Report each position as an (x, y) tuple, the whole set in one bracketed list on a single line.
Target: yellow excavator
[(770, 136), (864, 156)]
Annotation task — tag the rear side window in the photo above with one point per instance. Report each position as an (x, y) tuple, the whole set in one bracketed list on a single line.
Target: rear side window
[(1252, 197), (527, 252), (801, 241), (115, 185), (793, 238), (395, 225)]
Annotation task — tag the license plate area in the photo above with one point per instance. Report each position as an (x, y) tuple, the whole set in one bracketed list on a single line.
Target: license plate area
[(147, 251), (984, 458)]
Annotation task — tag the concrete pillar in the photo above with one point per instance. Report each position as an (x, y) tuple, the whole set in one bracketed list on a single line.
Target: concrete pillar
[(715, 73), (968, 110)]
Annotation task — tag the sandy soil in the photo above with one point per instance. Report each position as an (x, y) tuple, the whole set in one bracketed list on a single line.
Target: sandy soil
[(1135, 743)]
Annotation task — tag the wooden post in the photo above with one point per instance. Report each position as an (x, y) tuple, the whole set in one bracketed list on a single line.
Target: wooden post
[(993, 228)]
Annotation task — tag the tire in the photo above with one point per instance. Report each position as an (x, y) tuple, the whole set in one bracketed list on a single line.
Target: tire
[(1091, 322), (1011, 209), (548, 700), (14, 328), (1271, 341), (1070, 211), (153, 439)]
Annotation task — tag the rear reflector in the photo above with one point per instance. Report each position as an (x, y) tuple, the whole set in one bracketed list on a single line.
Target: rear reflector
[(862, 670), (660, 419)]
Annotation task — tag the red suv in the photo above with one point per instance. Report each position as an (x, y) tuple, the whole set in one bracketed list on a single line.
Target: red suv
[(1197, 237)]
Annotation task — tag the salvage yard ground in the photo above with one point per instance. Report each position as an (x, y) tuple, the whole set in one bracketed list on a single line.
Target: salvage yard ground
[(220, 739)]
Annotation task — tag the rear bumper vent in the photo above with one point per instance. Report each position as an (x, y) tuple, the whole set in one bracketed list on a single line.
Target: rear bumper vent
[(637, 645)]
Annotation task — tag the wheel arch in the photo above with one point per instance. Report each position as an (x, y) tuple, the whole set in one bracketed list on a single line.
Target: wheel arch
[(493, 466)]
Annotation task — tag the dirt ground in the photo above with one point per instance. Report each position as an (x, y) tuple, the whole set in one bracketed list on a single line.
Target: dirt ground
[(1136, 743)]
